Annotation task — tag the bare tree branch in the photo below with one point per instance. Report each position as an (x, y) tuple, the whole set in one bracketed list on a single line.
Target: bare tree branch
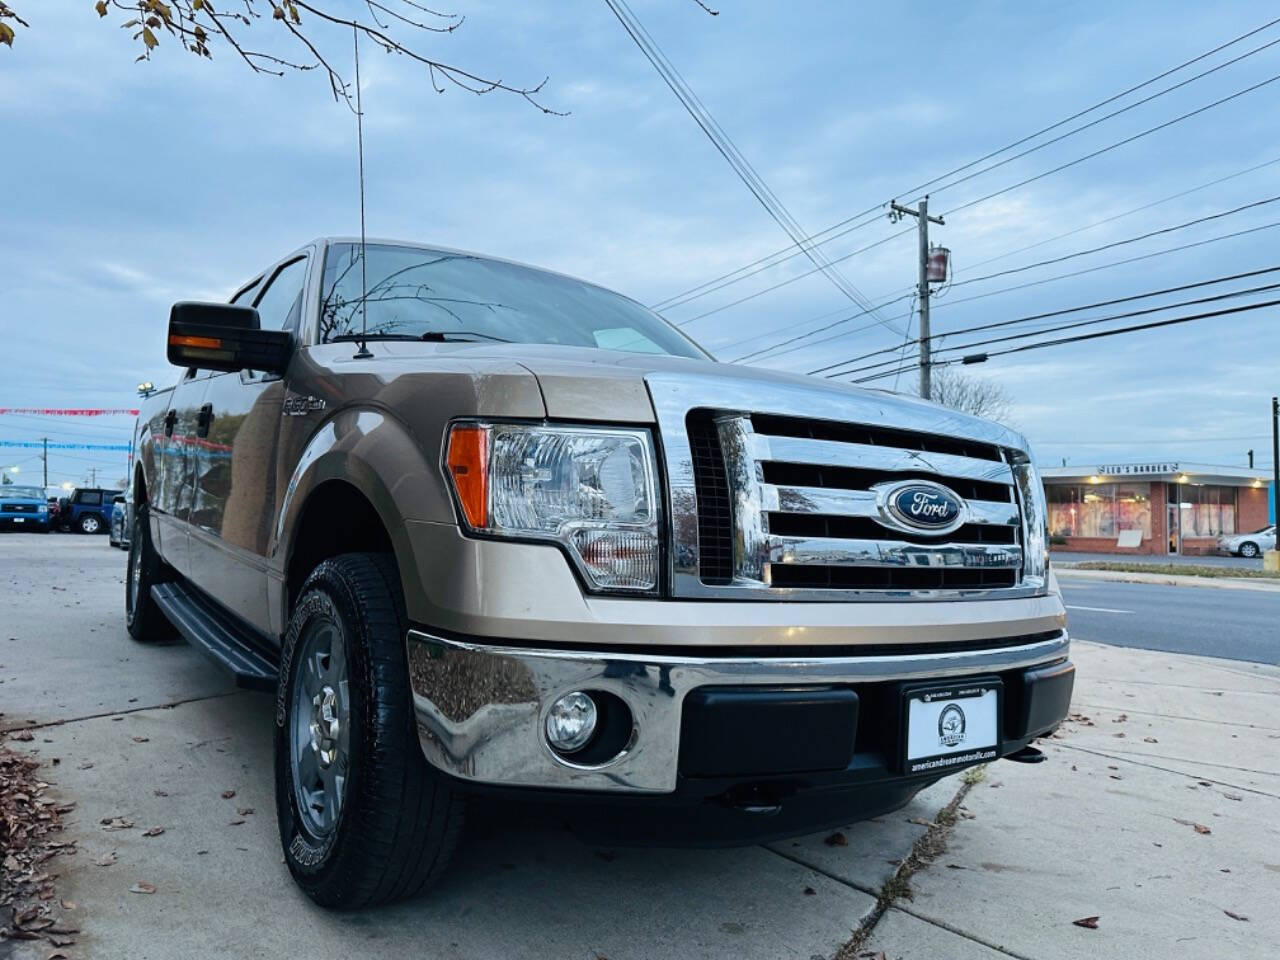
[(982, 398), (199, 25)]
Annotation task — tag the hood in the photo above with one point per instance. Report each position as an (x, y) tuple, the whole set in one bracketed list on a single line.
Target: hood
[(581, 383), (589, 384)]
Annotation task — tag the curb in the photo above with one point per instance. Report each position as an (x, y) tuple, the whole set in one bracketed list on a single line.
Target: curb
[(1166, 579)]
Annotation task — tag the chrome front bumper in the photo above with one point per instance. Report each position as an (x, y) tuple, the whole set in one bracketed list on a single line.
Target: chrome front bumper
[(481, 708)]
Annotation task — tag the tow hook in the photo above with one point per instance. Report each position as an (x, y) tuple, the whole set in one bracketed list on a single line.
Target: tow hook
[(1027, 755), (758, 799)]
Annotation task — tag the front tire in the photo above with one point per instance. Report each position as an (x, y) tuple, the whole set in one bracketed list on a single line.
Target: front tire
[(1249, 549), (363, 819), (144, 569)]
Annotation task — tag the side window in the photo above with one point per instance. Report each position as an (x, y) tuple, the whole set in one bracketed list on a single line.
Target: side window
[(90, 498), (280, 304)]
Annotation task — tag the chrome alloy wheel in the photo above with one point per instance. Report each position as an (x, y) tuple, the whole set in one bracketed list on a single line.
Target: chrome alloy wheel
[(320, 730), (135, 573)]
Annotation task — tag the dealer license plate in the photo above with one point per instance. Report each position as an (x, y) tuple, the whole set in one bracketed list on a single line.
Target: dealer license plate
[(952, 726)]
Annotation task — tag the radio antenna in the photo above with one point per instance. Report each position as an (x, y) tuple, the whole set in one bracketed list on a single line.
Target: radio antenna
[(363, 353)]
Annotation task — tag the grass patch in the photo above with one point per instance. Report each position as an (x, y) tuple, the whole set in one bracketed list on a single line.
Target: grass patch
[(1177, 569)]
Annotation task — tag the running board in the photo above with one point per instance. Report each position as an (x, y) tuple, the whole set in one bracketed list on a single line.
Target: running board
[(217, 635)]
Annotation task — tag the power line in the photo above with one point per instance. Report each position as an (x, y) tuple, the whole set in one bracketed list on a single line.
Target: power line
[(800, 276), (1078, 338), (971, 203), (1103, 119), (667, 302), (906, 291), (1118, 243), (729, 150), (1061, 312), (1119, 143), (1080, 323), (1078, 273)]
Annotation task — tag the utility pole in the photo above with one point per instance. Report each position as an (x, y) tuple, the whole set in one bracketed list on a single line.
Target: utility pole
[(1275, 461), (44, 458), (921, 213)]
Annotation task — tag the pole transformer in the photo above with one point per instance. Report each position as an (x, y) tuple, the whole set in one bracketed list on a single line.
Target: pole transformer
[(921, 213)]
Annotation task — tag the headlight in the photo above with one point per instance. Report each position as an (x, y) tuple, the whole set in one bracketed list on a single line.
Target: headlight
[(591, 489), (1035, 521), (43, 508)]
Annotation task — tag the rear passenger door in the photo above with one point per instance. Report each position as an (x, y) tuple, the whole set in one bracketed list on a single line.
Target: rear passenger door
[(235, 493)]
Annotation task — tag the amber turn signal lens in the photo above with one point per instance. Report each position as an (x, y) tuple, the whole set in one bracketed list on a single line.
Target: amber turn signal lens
[(206, 343), (468, 462)]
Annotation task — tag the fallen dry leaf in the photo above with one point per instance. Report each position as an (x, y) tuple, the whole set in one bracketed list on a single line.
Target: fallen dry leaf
[(160, 793), (143, 887), (106, 860), (141, 739), (153, 832), (22, 735), (809, 891), (837, 839), (1233, 796), (1236, 916), (1201, 828), (235, 823), (61, 940), (69, 905), (245, 811), (1150, 740), (228, 794), (111, 824), (1089, 923)]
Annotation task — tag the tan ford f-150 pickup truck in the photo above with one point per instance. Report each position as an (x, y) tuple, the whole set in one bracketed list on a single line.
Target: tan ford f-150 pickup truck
[(484, 528)]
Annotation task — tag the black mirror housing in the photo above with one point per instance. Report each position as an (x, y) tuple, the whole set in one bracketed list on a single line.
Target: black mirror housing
[(226, 337)]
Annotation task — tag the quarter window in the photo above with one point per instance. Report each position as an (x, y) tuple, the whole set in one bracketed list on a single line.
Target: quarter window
[(281, 303)]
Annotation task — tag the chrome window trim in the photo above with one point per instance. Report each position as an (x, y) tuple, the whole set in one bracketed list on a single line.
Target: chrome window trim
[(733, 400), (505, 693)]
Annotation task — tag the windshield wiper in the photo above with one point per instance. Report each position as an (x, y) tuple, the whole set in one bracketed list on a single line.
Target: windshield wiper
[(431, 336), (440, 336)]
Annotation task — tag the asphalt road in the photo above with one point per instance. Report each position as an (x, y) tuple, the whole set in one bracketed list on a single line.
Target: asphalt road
[(1211, 622)]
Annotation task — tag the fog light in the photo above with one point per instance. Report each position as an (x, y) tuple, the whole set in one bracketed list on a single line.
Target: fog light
[(571, 722)]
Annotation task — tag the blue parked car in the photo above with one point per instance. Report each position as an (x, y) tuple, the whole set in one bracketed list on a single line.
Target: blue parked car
[(87, 510), (23, 508)]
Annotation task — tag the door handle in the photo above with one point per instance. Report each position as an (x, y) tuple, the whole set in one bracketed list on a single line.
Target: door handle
[(170, 419), (204, 420)]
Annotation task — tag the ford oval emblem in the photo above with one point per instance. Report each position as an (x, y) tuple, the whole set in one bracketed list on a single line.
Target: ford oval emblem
[(925, 506)]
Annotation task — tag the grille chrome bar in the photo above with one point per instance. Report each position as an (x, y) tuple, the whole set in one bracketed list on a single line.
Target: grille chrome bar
[(886, 459), (840, 552), (835, 502), (809, 470)]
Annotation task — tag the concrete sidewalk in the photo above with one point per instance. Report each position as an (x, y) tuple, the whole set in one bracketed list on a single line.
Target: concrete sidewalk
[(1157, 811), (1169, 579)]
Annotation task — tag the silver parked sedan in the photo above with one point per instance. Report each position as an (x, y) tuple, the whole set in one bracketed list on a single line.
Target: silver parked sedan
[(1249, 544)]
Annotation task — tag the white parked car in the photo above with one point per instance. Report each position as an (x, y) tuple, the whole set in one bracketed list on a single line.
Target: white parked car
[(1249, 544)]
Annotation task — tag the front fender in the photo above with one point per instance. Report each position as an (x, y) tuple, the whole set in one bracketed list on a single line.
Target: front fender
[(375, 453)]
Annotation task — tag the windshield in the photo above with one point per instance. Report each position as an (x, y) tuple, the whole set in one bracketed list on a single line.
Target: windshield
[(419, 293), (10, 492)]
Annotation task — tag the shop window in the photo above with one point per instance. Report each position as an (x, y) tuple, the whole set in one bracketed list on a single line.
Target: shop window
[(1208, 510), (1099, 509)]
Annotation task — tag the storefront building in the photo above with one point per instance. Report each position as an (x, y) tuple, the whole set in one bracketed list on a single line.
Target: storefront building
[(1154, 508)]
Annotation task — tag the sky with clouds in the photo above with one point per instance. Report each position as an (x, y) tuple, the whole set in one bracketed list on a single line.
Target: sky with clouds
[(125, 186)]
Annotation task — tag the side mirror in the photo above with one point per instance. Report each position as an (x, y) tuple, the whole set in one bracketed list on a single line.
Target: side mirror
[(225, 336)]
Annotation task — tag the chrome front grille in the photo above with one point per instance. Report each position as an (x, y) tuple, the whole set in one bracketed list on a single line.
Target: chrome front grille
[(791, 503)]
